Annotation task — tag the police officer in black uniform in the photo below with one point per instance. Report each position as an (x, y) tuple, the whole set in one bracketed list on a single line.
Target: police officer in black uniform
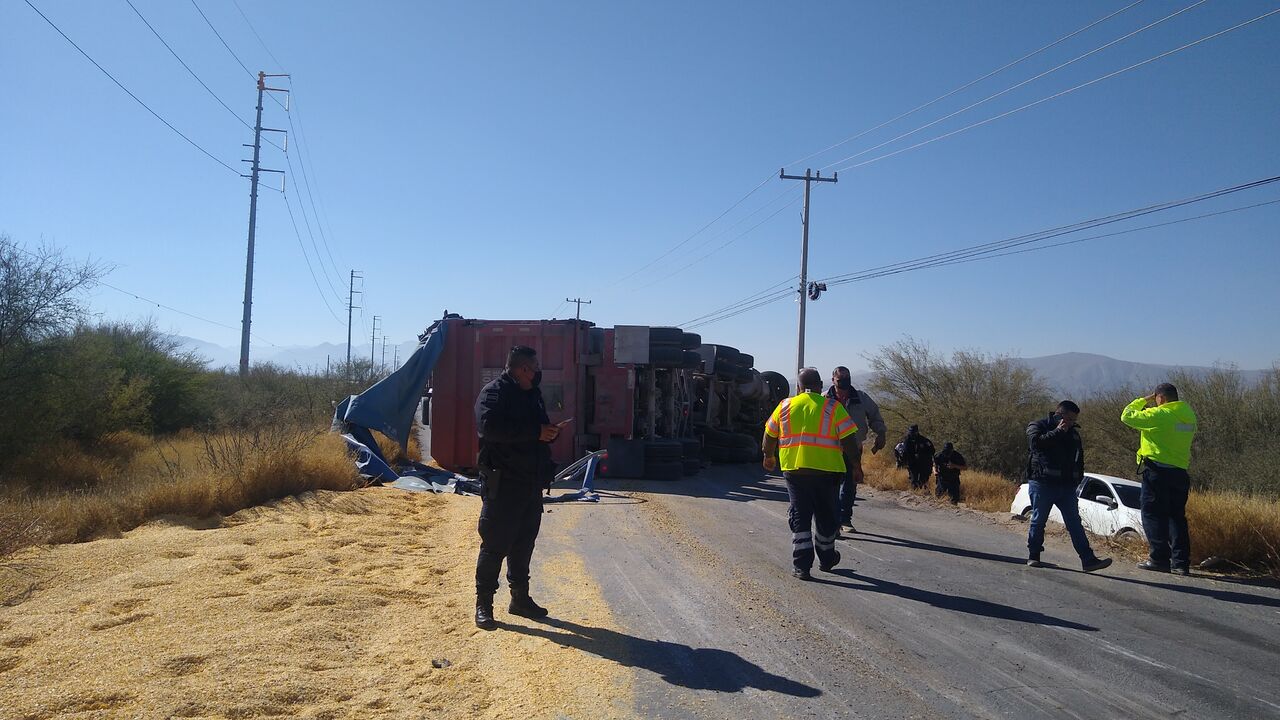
[(948, 465), (917, 451), (515, 466)]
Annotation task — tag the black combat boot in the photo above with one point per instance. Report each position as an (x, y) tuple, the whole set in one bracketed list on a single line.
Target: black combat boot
[(484, 612), (524, 606)]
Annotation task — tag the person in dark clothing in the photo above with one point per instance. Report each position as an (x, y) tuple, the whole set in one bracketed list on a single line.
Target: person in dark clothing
[(917, 455), (515, 466), (1055, 468), (866, 415), (948, 465)]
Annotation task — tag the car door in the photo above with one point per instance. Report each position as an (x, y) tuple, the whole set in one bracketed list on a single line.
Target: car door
[(1098, 518)]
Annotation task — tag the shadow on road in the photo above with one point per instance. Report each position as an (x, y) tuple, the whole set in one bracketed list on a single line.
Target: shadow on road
[(729, 482), (956, 603), (918, 545), (1213, 593), (695, 668)]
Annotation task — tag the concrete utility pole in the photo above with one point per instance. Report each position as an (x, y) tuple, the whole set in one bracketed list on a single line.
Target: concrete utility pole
[(351, 296), (373, 341), (395, 361), (579, 302), (383, 365), (808, 179), (247, 319)]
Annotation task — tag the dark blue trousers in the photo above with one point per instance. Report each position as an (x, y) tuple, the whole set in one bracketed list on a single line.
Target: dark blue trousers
[(1164, 514), (1044, 497), (813, 517)]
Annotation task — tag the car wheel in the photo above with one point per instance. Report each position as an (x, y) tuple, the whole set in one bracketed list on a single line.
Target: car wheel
[(1129, 535), (1025, 515)]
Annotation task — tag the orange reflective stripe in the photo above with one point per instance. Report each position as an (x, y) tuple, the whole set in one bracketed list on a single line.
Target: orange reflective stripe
[(784, 416), (845, 426), (828, 413)]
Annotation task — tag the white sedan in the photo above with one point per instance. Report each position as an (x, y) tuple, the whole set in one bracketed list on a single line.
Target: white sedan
[(1108, 506)]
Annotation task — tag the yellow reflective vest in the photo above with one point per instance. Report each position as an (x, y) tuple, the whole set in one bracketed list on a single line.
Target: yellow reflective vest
[(809, 428), (1167, 431)]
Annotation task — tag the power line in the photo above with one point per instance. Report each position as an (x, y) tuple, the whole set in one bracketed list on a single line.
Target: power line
[(304, 159), (255, 34), (998, 248), (730, 241), (1064, 92), (305, 257), (967, 85), (142, 298), (223, 41), (750, 298), (982, 249), (1021, 84), (700, 230), (136, 99), (193, 74), (324, 270)]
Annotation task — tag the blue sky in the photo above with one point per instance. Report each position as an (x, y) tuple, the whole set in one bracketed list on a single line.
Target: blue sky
[(494, 158)]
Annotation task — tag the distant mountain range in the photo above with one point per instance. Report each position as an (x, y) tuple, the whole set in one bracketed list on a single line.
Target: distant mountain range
[(1067, 374)]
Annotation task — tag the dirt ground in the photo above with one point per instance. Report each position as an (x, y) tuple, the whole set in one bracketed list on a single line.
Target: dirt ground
[(330, 605)]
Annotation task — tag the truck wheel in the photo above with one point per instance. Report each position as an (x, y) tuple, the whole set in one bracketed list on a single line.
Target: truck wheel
[(663, 450), (668, 470), (746, 361), (666, 356), (690, 341), (665, 336), (691, 466)]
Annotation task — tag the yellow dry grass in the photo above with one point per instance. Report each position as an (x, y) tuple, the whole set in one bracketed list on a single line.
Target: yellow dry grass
[(392, 451), (978, 490), (328, 605), (75, 493)]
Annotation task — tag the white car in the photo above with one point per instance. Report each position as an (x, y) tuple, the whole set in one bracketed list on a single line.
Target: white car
[(1108, 506)]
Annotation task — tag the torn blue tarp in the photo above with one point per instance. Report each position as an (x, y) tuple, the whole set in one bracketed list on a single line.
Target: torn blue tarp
[(369, 462), (389, 406)]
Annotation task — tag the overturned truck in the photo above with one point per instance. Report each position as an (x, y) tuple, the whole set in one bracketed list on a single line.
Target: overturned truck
[(658, 399)]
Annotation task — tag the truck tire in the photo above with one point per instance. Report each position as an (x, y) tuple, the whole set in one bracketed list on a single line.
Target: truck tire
[(746, 361), (665, 336), (717, 438), (690, 448), (666, 356), (691, 466), (667, 470), (690, 341), (729, 456), (662, 451), (779, 388), (692, 361)]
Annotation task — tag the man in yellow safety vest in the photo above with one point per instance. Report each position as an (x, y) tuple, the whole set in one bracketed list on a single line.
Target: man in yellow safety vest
[(811, 435)]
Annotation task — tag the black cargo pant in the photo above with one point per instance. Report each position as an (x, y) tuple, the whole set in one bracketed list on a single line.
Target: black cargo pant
[(813, 517), (1164, 514), (919, 474), (509, 524), (948, 485)]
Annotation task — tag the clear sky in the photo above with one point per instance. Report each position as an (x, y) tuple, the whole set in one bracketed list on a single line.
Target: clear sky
[(494, 158)]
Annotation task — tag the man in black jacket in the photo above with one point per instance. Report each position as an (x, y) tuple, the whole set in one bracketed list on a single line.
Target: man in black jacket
[(948, 465), (515, 465), (1055, 468), (917, 454)]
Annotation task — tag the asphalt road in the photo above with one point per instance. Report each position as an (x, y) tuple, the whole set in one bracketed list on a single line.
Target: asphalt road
[(931, 614)]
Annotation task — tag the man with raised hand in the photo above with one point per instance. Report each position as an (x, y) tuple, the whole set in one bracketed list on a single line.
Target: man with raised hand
[(1055, 469), (1168, 426)]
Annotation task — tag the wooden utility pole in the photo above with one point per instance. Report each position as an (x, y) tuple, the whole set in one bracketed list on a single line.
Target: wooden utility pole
[(808, 179), (579, 302)]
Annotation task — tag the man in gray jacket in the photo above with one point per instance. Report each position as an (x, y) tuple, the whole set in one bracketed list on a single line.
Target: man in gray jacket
[(866, 414)]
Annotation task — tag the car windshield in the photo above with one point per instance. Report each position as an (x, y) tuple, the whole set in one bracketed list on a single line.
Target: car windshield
[(1130, 496)]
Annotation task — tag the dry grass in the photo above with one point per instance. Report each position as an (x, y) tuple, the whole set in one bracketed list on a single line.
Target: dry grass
[(1243, 530), (71, 493), (392, 451)]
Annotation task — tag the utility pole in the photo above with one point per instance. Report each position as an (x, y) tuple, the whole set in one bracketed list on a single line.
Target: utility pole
[(373, 342), (579, 302), (383, 364), (246, 320), (395, 361), (808, 179), (351, 305)]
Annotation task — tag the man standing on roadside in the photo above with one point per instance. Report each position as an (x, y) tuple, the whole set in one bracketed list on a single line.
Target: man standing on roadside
[(917, 455), (1167, 425), (515, 465), (1055, 468), (948, 465), (866, 415), (811, 435)]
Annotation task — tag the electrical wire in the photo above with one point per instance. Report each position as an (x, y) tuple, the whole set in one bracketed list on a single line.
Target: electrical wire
[(303, 248), (700, 230), (304, 159), (279, 66), (1064, 92), (1029, 80), (968, 85), (750, 298), (950, 257), (128, 92), (319, 260), (722, 246), (193, 74)]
